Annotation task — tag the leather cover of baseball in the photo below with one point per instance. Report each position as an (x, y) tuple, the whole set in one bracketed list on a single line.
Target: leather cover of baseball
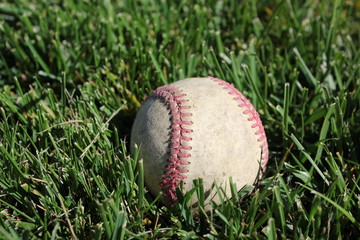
[(199, 128)]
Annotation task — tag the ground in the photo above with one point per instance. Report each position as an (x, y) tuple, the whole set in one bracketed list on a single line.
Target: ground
[(73, 74)]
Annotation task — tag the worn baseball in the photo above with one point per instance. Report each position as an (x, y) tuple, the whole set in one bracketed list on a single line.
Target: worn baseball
[(199, 128)]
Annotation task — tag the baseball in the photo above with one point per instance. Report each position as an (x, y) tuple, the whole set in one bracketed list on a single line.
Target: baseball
[(199, 128)]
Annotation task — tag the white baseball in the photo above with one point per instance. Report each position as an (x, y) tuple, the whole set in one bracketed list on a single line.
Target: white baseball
[(199, 128)]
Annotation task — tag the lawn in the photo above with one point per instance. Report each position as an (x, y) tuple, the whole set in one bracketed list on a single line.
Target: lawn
[(73, 74)]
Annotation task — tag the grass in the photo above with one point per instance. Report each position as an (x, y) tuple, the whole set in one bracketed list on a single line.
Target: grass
[(74, 73)]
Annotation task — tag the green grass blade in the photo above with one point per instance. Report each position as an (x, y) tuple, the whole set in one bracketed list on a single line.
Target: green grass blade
[(341, 209), (309, 158), (158, 68)]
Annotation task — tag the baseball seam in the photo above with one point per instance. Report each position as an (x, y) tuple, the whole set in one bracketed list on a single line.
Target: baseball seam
[(175, 101), (254, 117)]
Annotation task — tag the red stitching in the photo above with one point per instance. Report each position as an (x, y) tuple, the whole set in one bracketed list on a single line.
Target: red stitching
[(179, 153), (254, 116)]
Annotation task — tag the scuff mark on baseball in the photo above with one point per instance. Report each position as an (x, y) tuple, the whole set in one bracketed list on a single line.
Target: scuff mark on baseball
[(199, 128)]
